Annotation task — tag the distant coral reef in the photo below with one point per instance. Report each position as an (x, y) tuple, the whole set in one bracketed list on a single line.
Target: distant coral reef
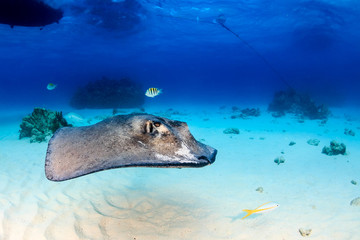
[(300, 104), (245, 113), (349, 132), (40, 124), (108, 93)]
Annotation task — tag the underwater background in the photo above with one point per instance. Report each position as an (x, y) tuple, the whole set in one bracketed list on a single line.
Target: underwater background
[(210, 59), (179, 47)]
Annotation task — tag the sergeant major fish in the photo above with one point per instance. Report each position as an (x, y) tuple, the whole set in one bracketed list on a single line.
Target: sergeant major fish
[(153, 92)]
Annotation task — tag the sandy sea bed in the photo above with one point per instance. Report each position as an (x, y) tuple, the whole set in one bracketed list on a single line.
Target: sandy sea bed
[(314, 190)]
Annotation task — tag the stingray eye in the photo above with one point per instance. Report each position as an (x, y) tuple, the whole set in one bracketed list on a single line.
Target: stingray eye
[(157, 124)]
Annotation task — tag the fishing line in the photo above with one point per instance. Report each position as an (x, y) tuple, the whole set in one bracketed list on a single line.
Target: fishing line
[(221, 21)]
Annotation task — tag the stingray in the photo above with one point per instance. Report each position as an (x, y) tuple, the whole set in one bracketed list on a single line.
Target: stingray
[(28, 13), (134, 140)]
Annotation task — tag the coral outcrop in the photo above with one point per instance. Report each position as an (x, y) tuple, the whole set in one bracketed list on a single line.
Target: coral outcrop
[(299, 104), (355, 202), (305, 232), (231, 131), (40, 124), (334, 149), (109, 93), (279, 160), (313, 141)]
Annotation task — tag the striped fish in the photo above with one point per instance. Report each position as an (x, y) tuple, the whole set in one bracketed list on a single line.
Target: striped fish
[(153, 92)]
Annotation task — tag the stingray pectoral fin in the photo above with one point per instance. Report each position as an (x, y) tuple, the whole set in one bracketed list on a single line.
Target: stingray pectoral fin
[(73, 152)]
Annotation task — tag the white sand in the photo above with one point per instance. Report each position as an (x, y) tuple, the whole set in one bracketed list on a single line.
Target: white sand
[(313, 190)]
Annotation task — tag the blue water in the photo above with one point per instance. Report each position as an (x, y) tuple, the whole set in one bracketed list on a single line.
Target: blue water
[(179, 47)]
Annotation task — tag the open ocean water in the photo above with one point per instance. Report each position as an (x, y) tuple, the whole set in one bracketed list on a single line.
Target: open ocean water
[(268, 84)]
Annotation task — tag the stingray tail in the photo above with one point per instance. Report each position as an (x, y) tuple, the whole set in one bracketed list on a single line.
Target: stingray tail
[(249, 212)]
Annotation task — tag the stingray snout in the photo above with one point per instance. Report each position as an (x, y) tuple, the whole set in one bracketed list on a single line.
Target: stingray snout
[(209, 156)]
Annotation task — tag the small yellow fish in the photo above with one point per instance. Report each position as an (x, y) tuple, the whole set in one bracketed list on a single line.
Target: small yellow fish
[(262, 208), (153, 92), (51, 86)]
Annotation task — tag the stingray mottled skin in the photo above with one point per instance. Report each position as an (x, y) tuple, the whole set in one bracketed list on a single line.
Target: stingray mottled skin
[(124, 141)]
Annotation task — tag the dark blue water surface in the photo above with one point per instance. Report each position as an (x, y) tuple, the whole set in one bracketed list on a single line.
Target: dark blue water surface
[(313, 46)]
